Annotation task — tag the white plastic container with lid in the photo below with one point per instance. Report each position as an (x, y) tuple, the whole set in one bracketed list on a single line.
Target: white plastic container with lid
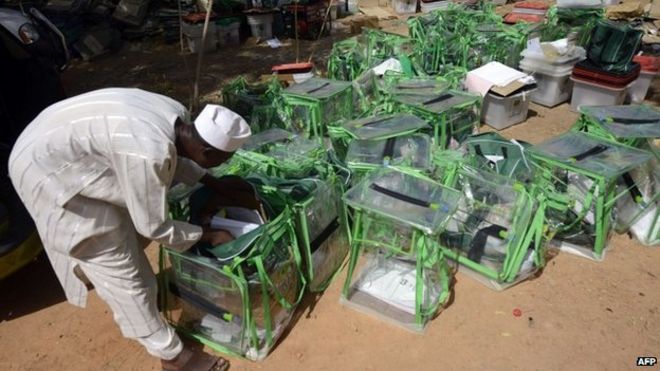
[(638, 88), (585, 3), (545, 68), (571, 58), (501, 112), (404, 6), (591, 93), (552, 89), (261, 25), (429, 7), (193, 34), (229, 34)]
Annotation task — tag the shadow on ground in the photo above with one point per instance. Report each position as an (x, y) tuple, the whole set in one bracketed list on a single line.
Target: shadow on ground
[(31, 289)]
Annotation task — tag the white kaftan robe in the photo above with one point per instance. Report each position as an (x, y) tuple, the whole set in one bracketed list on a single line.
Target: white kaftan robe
[(92, 171)]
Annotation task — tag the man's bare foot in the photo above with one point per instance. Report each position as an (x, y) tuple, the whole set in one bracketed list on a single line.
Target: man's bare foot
[(194, 359)]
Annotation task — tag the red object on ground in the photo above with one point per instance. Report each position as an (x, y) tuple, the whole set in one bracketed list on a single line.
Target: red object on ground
[(293, 67), (512, 18), (517, 312), (197, 17), (649, 63)]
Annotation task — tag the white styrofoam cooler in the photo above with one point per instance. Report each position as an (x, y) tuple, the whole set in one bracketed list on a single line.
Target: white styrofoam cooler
[(640, 87), (502, 112), (589, 93)]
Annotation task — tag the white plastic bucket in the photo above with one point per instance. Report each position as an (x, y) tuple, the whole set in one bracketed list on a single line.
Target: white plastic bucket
[(261, 25), (640, 87), (502, 112), (591, 93)]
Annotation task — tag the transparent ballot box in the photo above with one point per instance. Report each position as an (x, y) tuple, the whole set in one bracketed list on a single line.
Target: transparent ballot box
[(278, 152), (637, 126), (379, 127), (315, 103), (409, 152), (453, 115), (497, 229), (238, 297), (585, 170), (254, 102), (631, 124), (396, 270), (638, 208), (320, 221)]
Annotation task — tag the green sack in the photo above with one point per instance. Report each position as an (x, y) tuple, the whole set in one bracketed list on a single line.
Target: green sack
[(613, 45)]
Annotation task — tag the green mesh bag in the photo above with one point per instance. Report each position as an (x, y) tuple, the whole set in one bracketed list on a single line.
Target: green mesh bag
[(613, 45), (239, 297), (585, 170), (396, 270)]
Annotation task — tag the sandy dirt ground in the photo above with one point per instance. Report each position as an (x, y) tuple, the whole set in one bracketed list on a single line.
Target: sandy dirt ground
[(577, 315)]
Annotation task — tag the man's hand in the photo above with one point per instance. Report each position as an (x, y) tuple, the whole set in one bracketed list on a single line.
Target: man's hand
[(216, 236)]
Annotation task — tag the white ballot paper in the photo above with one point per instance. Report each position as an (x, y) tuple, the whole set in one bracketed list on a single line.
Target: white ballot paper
[(394, 284), (238, 221)]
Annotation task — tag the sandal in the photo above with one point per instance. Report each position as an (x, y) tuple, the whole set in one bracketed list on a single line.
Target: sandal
[(195, 360)]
